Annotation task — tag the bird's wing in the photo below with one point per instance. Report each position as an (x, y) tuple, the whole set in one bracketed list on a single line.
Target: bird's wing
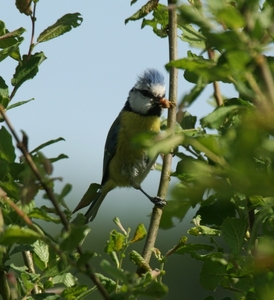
[(110, 147)]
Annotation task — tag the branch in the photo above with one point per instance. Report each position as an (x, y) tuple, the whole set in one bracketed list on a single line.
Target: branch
[(171, 121), (216, 85), (52, 198)]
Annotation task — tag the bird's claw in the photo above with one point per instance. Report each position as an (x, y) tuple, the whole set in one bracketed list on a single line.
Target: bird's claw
[(158, 201)]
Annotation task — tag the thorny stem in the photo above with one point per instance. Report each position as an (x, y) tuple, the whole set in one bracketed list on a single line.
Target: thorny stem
[(51, 196), (171, 121)]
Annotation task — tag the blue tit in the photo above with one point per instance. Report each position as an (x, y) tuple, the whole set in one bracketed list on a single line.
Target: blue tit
[(126, 165)]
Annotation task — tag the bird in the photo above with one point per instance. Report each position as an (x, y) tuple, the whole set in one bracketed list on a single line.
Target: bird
[(124, 164)]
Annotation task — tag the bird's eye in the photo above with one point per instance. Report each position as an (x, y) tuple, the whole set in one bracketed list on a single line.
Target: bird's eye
[(146, 93)]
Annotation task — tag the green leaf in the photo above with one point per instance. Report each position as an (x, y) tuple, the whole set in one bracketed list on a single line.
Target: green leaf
[(77, 292), (10, 41), (159, 23), (62, 25), (143, 11), (217, 118), (139, 234), (74, 237), (27, 68), (155, 290), (188, 248), (215, 209), (41, 214), (116, 242), (17, 235), (189, 98), (44, 296), (213, 272), (226, 14), (67, 279), (4, 93), (7, 150), (192, 36), (114, 272), (188, 121), (48, 143), (41, 254), (18, 104), (233, 231), (109, 284)]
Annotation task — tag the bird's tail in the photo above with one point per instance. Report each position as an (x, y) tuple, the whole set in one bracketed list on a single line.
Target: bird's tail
[(94, 207)]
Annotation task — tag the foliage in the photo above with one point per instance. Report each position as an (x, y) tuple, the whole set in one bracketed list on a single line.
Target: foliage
[(224, 166)]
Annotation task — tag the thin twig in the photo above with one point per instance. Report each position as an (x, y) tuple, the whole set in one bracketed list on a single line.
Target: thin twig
[(33, 19), (52, 198), (171, 121), (28, 260), (216, 85)]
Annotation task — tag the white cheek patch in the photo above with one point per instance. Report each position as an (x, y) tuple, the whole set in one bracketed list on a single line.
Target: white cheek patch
[(140, 104)]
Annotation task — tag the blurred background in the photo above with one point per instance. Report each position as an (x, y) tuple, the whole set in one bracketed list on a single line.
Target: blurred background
[(78, 92)]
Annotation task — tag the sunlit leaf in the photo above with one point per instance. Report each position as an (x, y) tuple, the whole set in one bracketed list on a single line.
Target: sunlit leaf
[(27, 68), (63, 25), (17, 235), (139, 234), (143, 11)]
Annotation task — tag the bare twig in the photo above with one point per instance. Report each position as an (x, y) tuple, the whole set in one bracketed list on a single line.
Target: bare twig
[(33, 19), (165, 175)]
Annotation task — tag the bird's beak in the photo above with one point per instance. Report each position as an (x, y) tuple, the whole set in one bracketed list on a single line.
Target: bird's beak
[(164, 103)]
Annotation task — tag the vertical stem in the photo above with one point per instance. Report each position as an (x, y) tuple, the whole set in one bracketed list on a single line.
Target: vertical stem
[(4, 286), (171, 121)]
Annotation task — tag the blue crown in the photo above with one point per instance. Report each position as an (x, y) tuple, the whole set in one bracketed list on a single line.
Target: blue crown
[(151, 77)]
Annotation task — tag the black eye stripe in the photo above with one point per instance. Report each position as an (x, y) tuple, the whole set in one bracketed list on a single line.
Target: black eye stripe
[(146, 93)]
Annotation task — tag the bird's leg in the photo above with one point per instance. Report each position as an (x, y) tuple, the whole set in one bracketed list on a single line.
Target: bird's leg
[(156, 200)]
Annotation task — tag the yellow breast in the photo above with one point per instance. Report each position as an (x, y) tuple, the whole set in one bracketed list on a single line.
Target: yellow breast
[(127, 154)]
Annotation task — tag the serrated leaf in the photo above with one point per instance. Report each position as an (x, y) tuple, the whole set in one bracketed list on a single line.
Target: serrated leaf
[(213, 272), (143, 11), (17, 235), (139, 234), (233, 231), (7, 150), (62, 25), (160, 20), (27, 68), (41, 257)]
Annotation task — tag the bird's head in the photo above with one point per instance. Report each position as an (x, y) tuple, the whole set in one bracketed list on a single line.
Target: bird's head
[(147, 95)]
